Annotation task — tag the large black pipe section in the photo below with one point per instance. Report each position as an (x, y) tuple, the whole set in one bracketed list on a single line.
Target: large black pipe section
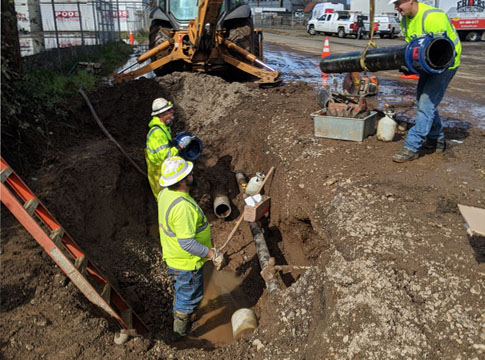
[(263, 255), (426, 55)]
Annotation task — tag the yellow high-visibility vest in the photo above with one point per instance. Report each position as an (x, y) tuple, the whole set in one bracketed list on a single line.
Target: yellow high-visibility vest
[(180, 218), (158, 148)]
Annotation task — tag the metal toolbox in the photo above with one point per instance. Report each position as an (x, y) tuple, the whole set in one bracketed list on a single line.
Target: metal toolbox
[(344, 128)]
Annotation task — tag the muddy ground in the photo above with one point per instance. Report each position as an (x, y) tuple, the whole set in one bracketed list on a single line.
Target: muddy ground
[(393, 272)]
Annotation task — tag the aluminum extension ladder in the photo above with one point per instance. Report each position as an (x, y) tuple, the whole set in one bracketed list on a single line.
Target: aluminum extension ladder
[(64, 251)]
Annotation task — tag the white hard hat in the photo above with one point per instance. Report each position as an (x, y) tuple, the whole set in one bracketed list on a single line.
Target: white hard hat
[(174, 169), (392, 2), (160, 105)]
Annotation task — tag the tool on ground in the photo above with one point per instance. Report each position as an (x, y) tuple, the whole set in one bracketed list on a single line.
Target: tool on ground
[(430, 54), (219, 259), (70, 258), (204, 36), (343, 105), (355, 84)]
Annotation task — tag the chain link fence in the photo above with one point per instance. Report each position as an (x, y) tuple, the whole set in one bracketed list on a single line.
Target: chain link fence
[(290, 20)]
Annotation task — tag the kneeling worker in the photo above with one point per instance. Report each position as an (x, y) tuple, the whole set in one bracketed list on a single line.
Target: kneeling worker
[(186, 239)]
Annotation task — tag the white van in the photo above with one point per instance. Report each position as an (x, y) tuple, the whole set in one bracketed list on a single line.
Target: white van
[(318, 11)]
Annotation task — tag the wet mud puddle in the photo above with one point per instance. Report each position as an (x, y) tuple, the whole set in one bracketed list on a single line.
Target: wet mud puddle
[(222, 297)]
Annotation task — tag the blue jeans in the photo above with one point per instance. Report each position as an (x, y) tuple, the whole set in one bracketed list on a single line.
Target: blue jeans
[(430, 91), (189, 289)]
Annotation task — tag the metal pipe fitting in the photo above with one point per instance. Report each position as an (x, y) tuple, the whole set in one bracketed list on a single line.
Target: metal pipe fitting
[(222, 206), (425, 55)]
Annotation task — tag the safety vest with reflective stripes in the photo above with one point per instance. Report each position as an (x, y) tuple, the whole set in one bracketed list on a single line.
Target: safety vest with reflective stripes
[(180, 218), (158, 148), (431, 20)]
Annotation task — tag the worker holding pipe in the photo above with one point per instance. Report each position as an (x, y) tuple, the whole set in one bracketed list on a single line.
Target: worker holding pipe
[(159, 144), (419, 19), (186, 240)]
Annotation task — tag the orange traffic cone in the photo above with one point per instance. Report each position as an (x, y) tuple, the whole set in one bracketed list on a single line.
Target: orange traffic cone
[(326, 48), (132, 39), (325, 53), (411, 76)]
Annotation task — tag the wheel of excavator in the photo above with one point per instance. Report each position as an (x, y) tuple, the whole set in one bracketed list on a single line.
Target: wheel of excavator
[(241, 33), (160, 32)]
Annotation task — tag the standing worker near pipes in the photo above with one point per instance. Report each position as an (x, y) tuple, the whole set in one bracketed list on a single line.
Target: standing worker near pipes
[(186, 240), (419, 19), (159, 141)]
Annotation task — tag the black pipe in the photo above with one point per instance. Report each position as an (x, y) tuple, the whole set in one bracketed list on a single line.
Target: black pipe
[(423, 55), (263, 255), (388, 58)]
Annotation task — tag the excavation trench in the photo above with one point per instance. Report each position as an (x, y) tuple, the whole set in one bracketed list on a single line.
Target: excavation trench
[(109, 209)]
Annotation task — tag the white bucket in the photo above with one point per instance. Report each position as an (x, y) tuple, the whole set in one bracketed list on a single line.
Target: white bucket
[(243, 319)]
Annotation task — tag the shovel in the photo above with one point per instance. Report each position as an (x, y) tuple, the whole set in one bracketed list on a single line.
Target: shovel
[(218, 260)]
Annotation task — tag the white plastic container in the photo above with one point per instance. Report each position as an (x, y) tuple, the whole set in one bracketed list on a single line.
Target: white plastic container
[(254, 184), (386, 129), (243, 320)]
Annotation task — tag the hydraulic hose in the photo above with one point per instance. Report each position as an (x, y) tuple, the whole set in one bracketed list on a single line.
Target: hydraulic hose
[(426, 55)]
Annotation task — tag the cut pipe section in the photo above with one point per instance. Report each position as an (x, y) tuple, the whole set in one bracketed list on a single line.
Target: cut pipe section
[(222, 206), (263, 255), (426, 55)]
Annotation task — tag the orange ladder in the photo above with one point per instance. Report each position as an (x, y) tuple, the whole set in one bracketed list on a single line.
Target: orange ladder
[(64, 251)]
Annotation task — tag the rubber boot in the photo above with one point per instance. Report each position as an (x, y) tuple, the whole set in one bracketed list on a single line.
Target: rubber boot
[(181, 323)]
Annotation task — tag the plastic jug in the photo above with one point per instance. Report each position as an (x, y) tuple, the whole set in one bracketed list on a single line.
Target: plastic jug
[(254, 184), (387, 126)]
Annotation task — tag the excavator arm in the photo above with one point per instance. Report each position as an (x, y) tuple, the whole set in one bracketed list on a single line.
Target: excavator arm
[(204, 47)]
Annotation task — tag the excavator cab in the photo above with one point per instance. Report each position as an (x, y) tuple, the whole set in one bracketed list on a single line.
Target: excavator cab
[(204, 36)]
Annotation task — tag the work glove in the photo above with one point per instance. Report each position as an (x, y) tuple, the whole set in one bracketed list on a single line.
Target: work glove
[(185, 141), (217, 259), (405, 70)]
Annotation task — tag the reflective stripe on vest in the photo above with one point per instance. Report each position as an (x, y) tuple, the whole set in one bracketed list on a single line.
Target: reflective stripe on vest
[(160, 148), (169, 231)]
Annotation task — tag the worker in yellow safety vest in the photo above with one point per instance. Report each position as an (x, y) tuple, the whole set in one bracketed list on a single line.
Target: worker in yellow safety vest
[(419, 19), (159, 141), (186, 240)]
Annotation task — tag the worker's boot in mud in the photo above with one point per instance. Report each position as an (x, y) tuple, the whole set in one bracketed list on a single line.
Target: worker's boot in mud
[(435, 146), (405, 155), (181, 324)]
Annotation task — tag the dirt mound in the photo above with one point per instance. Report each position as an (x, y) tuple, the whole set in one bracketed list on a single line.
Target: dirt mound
[(393, 274)]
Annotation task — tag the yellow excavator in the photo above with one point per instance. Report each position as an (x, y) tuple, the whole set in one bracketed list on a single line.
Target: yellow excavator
[(204, 36)]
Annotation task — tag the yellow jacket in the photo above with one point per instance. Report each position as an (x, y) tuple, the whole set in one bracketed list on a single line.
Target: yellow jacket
[(184, 230), (158, 148)]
